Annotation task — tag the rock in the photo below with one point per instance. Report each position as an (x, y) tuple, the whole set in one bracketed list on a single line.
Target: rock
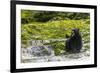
[(46, 50)]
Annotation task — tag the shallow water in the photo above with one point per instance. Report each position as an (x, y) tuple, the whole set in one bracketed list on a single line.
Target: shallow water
[(45, 53), (83, 55)]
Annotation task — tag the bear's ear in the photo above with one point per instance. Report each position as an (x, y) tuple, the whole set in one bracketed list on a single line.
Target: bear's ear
[(73, 29), (78, 29)]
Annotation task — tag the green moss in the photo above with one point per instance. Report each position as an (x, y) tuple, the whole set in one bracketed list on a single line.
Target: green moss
[(54, 30)]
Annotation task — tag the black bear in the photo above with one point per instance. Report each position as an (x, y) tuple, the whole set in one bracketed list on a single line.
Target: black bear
[(74, 43)]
